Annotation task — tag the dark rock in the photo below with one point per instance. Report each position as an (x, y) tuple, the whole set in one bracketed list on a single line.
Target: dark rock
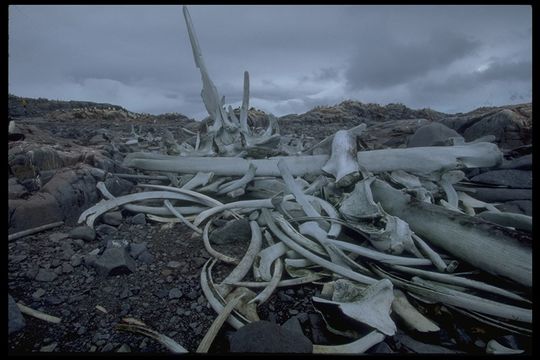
[(520, 163), (136, 249), (420, 347), (139, 219), (84, 232), (113, 218), (284, 297), (161, 293), (125, 293), (380, 348), (54, 300), (76, 260), (118, 186), (39, 209), (146, 257), (236, 231), (293, 324), (67, 268), (15, 318), (114, 261), (45, 275), (174, 264), (318, 329), (517, 179), (38, 294), (56, 237), (192, 295), (433, 134), (15, 190), (104, 230), (117, 244), (175, 293), (266, 337)]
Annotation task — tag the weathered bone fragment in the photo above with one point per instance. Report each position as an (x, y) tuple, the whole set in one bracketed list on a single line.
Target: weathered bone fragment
[(493, 347), (412, 317), (359, 204), (206, 342), (472, 203), (245, 106), (356, 347), (240, 183), (246, 308), (420, 160), (38, 314), (213, 187), (325, 146), (200, 179), (447, 180), (517, 221), (490, 247), (372, 307), (267, 257), (283, 283), (34, 230), (343, 164), (299, 263), (433, 256), (164, 340)]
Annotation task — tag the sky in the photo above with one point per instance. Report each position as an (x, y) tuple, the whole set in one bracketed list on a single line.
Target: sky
[(451, 58)]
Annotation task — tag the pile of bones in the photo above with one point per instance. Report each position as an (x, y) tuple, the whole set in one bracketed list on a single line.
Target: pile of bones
[(364, 224)]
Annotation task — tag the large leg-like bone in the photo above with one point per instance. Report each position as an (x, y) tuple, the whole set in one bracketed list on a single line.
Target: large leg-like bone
[(490, 247)]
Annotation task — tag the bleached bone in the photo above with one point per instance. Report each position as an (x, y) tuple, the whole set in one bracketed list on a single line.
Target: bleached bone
[(164, 340), (267, 257), (380, 256), (200, 179), (91, 214), (457, 280), (309, 255), (471, 202), (173, 211), (38, 314), (359, 204), (343, 164), (207, 340), (283, 283), (299, 263), (300, 239), (245, 307), (404, 178), (418, 160), (245, 263), (518, 221), (34, 230), (272, 284), (213, 187), (206, 287), (240, 183), (325, 146), (372, 307), (245, 106), (138, 176), (493, 347), (412, 317), (447, 180), (313, 229), (214, 253), (487, 246), (435, 258), (356, 347), (438, 293)]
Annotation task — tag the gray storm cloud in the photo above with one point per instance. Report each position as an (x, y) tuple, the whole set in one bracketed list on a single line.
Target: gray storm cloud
[(139, 57)]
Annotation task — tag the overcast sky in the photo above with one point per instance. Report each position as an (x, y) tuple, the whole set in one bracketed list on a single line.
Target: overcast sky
[(448, 58)]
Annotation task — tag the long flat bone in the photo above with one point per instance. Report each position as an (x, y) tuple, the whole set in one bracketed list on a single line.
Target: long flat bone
[(433, 256), (518, 221), (412, 317), (418, 160), (487, 246), (283, 283)]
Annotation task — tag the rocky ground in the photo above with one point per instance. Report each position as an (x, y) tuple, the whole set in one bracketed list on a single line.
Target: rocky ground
[(133, 267)]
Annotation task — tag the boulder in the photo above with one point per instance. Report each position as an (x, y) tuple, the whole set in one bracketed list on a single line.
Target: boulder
[(433, 134), (39, 209), (114, 261), (517, 206), (266, 337), (15, 318), (113, 218), (84, 232), (139, 219), (236, 231)]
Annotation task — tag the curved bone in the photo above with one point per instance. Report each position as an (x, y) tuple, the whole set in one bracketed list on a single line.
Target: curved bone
[(267, 258), (243, 267), (200, 179), (447, 180), (433, 256), (493, 347), (164, 340), (316, 259), (214, 253), (412, 317), (272, 284), (173, 211), (198, 197), (213, 187), (356, 347), (359, 204), (240, 183), (343, 164), (283, 283), (245, 307), (474, 203)]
